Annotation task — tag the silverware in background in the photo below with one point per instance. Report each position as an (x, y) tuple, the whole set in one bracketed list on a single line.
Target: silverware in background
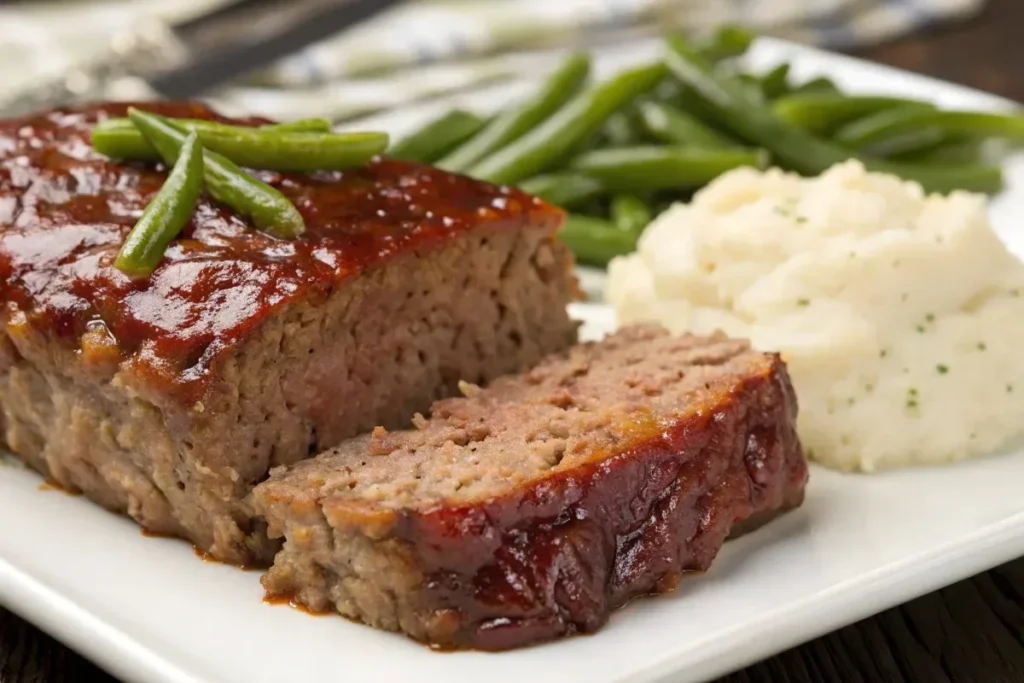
[(190, 58)]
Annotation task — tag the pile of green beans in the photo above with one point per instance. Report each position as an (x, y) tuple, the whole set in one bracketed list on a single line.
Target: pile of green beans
[(615, 152), (208, 155)]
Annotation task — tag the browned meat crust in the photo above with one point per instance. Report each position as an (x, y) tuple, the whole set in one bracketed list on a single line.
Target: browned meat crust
[(531, 509), (168, 399)]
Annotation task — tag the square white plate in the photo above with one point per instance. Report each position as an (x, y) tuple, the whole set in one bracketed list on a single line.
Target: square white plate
[(147, 610)]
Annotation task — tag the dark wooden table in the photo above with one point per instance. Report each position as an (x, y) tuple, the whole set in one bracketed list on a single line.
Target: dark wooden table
[(971, 632)]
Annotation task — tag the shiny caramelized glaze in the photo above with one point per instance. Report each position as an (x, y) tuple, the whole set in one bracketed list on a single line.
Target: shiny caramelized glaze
[(555, 557), (65, 210)]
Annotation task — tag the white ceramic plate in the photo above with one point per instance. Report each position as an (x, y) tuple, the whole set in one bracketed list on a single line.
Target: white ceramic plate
[(149, 611)]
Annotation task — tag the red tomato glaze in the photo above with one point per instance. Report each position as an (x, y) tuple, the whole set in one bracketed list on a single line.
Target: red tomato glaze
[(65, 210)]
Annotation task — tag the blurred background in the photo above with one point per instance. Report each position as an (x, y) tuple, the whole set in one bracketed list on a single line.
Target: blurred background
[(343, 58)]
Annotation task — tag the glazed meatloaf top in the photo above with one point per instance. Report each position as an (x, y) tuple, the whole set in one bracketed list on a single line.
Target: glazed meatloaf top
[(530, 509), (65, 210), (525, 437)]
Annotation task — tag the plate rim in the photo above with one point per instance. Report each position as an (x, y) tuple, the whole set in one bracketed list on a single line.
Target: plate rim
[(842, 603)]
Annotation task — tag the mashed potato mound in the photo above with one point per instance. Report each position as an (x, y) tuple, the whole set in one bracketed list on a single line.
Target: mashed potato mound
[(900, 315)]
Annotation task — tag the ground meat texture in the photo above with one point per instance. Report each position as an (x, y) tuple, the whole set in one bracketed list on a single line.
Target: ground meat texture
[(530, 509), (169, 398)]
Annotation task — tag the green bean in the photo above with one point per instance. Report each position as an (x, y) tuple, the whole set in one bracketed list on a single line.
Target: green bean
[(670, 92), (793, 146), (730, 40), (567, 190), (630, 213), (559, 87), (946, 178), (824, 112), (310, 125), (620, 130), (751, 84), (287, 150), (167, 213), (274, 148), (818, 85), (120, 139), (904, 142), (673, 126), (882, 127), (566, 129), (909, 143), (956, 151), (269, 210), (775, 83), (438, 137), (648, 168), (595, 241), (751, 120)]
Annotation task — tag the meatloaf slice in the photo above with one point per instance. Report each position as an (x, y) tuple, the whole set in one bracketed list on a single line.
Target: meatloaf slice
[(169, 398), (530, 509)]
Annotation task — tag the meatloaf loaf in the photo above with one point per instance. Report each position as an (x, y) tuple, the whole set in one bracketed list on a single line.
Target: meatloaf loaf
[(529, 509), (169, 398)]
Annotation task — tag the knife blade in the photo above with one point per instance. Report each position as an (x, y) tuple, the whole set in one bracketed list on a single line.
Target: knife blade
[(258, 33), (192, 57)]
